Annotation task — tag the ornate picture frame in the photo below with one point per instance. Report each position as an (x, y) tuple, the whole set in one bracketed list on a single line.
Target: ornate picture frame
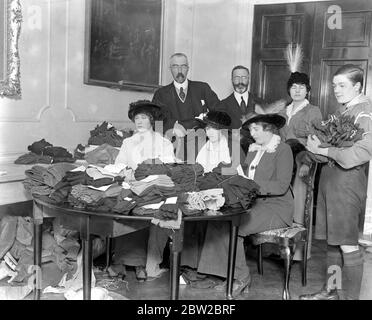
[(10, 30), (123, 44)]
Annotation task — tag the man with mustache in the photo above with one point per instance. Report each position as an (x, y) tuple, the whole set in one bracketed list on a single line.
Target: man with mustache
[(184, 98), (241, 101)]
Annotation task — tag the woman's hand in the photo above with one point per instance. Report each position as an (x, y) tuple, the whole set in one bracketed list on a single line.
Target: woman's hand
[(313, 144)]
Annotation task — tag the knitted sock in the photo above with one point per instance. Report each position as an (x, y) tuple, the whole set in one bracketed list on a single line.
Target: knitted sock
[(352, 274), (334, 260)]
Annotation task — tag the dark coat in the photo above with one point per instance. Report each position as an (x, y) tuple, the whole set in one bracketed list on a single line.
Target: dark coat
[(232, 108), (275, 206), (197, 94)]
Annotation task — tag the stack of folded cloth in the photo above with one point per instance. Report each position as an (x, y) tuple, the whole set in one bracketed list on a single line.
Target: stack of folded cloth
[(183, 175), (124, 202), (169, 215), (167, 211), (81, 196), (238, 191), (148, 209), (147, 168), (106, 133), (72, 178), (44, 152), (31, 158), (152, 189), (41, 180), (192, 203)]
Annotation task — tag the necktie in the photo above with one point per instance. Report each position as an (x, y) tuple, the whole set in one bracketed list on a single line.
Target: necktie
[(243, 106), (182, 94)]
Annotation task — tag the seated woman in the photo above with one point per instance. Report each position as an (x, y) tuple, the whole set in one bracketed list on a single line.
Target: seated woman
[(270, 164), (143, 145), (220, 147)]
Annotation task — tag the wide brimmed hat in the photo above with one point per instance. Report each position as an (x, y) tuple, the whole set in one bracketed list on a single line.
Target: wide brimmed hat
[(145, 106), (272, 118), (215, 119)]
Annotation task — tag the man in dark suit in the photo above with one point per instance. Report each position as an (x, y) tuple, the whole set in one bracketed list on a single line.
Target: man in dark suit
[(240, 102), (184, 99)]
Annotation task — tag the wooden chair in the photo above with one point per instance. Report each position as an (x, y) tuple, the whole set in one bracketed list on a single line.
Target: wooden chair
[(288, 238)]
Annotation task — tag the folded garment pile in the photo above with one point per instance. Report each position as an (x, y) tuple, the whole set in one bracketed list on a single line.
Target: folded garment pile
[(80, 176), (82, 196), (184, 176), (41, 180), (191, 203), (107, 133), (239, 192), (44, 152)]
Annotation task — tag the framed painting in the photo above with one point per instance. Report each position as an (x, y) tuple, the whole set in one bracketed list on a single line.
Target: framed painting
[(10, 29), (123, 44)]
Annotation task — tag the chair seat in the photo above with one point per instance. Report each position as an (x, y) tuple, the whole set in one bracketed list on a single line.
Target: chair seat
[(294, 233)]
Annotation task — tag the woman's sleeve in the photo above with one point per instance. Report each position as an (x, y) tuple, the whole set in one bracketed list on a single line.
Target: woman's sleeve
[(122, 156), (168, 153), (361, 151), (282, 179)]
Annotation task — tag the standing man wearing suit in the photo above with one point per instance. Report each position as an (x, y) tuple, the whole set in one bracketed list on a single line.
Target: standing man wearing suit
[(184, 99), (241, 101)]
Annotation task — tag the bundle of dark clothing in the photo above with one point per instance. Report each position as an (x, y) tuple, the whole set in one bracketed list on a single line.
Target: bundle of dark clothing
[(103, 155), (106, 133), (41, 180), (44, 152), (72, 178), (237, 190), (124, 202), (79, 152), (167, 212), (184, 176)]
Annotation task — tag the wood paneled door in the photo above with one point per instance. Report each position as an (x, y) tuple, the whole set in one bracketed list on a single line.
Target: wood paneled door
[(332, 33)]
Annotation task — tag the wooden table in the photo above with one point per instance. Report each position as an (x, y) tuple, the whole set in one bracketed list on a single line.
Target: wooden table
[(114, 225)]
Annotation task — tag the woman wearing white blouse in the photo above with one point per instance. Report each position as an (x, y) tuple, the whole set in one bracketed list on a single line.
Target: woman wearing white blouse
[(143, 145)]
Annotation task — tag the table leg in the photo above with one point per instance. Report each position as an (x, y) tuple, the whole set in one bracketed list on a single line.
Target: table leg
[(108, 252), (176, 248), (37, 259), (231, 261), (87, 259)]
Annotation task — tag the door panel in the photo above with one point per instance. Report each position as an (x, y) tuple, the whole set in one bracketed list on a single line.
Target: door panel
[(336, 47), (276, 26)]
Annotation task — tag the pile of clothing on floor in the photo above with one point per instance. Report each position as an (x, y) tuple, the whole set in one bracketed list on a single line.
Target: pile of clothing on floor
[(59, 245), (44, 152)]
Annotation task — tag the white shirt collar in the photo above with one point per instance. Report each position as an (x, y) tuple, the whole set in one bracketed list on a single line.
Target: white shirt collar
[(239, 96), (184, 85)]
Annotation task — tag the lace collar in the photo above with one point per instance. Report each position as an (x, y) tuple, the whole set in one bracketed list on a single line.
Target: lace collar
[(269, 148)]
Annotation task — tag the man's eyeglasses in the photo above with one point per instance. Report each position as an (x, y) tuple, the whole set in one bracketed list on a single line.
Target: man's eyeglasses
[(177, 66), (240, 78)]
